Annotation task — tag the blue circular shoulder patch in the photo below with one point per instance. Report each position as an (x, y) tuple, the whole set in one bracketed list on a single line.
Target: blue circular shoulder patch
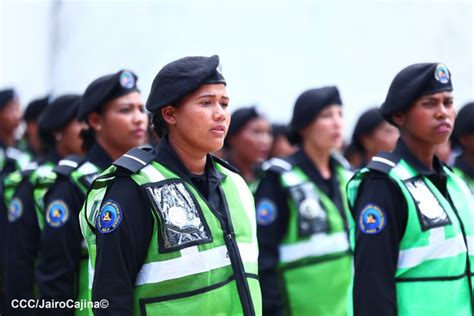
[(266, 212), (371, 220), (15, 209), (57, 214), (109, 217)]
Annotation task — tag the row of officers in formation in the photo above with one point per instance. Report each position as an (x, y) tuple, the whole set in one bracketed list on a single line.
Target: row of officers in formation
[(284, 225)]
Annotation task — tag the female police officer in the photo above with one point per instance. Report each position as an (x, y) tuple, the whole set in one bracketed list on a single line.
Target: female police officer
[(305, 263), (113, 109), (414, 218), (172, 231)]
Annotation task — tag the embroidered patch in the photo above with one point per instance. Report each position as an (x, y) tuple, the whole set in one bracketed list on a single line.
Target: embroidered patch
[(441, 73), (15, 209), (110, 216), (57, 214), (127, 81), (371, 220), (266, 212)]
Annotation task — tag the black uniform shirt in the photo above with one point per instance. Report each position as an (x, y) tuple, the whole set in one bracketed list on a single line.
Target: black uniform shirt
[(270, 234), (376, 255), (22, 244), (121, 253)]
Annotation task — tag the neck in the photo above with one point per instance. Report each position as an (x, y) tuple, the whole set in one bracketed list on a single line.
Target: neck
[(244, 167), (424, 152), (194, 161), (7, 139), (113, 153), (320, 158)]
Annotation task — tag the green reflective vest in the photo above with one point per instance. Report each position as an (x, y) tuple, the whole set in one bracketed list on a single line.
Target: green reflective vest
[(194, 265), (81, 173), (436, 258), (315, 261)]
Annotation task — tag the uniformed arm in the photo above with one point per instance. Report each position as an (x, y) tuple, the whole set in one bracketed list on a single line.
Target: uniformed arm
[(21, 248), (121, 252), (272, 221), (59, 260), (376, 254)]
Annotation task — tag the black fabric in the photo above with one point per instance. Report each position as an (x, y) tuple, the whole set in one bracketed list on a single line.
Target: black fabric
[(464, 123), (181, 77), (121, 253), (60, 254), (308, 105), (376, 255), (240, 118), (464, 166), (131, 164), (366, 124), (59, 113), (35, 108), (271, 235), (383, 167), (105, 89), (413, 82), (65, 169), (6, 96)]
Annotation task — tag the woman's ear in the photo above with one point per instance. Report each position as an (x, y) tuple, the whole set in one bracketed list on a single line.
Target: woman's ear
[(95, 121), (399, 118), (169, 114)]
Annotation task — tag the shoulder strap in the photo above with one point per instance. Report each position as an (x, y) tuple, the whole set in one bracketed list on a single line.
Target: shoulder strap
[(383, 162), (69, 164), (135, 159), (277, 165)]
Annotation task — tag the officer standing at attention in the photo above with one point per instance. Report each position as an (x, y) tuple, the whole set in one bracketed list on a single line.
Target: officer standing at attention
[(305, 260), (31, 140), (414, 217), (59, 129), (113, 109), (463, 137), (172, 231)]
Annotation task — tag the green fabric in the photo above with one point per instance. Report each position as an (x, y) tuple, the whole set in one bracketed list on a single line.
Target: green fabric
[(469, 181), (223, 298), (316, 283), (419, 258)]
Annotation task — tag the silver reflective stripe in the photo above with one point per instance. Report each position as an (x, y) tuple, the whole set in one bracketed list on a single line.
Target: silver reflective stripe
[(152, 173), (192, 262), (135, 158), (383, 160), (470, 245), (87, 168), (66, 162), (276, 162), (317, 245), (439, 248)]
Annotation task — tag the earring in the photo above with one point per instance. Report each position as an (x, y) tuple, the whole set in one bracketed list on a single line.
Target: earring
[(58, 136)]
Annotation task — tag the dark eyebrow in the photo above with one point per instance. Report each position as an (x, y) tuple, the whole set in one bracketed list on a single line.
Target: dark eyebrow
[(211, 96)]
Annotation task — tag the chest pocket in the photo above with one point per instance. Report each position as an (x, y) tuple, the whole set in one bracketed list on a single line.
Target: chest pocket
[(431, 212), (312, 217), (182, 223)]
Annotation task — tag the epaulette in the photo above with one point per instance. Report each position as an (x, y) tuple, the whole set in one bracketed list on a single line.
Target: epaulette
[(277, 165), (30, 167), (225, 163), (69, 164), (342, 160), (135, 159), (383, 162)]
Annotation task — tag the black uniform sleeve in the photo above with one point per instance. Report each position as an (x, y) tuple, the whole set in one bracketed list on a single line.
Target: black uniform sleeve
[(122, 252), (376, 255), (21, 249), (271, 227), (60, 254)]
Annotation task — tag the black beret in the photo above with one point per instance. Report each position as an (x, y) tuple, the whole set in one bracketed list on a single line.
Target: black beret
[(366, 124), (413, 82), (6, 96), (59, 113), (34, 109), (105, 89), (307, 107), (181, 77), (464, 123), (241, 117)]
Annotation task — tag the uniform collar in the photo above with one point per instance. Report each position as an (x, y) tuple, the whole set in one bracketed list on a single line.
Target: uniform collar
[(301, 159), (99, 157), (53, 156), (168, 157), (460, 163), (404, 152)]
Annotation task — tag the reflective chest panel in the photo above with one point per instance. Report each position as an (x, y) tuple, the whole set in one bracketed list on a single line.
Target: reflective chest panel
[(193, 263), (437, 249)]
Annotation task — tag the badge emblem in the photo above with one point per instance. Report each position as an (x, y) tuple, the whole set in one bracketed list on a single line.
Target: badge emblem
[(109, 217), (442, 73), (127, 80), (57, 214), (371, 220), (15, 209), (266, 212)]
